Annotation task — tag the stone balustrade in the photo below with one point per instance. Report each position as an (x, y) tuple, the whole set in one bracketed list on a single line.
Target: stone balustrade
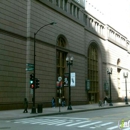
[(91, 23)]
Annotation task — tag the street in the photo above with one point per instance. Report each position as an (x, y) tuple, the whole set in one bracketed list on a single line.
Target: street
[(105, 119)]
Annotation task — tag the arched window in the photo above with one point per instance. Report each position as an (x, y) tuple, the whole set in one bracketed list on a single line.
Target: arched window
[(61, 61), (61, 56), (93, 72), (61, 42)]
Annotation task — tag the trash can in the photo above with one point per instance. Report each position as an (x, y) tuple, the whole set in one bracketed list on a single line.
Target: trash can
[(39, 108)]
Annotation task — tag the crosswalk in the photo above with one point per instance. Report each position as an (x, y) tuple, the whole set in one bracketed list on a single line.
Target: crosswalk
[(69, 122)]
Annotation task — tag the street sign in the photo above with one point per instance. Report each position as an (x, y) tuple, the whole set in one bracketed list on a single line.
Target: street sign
[(30, 67), (59, 78)]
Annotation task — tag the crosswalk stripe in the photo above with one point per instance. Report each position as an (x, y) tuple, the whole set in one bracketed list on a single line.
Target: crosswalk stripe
[(106, 124), (44, 121), (72, 118), (30, 121), (66, 121), (63, 123), (77, 123), (56, 122), (49, 122), (102, 125), (127, 129), (111, 128), (24, 122), (90, 124), (35, 121)]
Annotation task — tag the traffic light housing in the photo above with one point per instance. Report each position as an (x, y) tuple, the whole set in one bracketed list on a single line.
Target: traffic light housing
[(37, 81), (32, 81)]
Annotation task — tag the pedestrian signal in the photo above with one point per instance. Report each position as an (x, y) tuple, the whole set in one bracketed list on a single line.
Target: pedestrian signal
[(32, 81)]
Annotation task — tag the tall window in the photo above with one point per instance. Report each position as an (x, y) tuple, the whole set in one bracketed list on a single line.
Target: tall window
[(93, 72), (61, 56), (61, 61)]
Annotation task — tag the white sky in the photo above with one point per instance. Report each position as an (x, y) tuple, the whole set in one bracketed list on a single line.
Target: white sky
[(116, 13)]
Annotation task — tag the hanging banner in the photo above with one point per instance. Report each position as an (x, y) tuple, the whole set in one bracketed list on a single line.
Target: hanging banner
[(72, 79)]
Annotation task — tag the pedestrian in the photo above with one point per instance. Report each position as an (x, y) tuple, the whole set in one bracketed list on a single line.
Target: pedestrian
[(25, 105), (53, 102), (63, 101), (105, 100)]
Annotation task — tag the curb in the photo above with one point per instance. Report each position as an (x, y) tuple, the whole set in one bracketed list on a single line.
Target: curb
[(64, 112), (75, 111)]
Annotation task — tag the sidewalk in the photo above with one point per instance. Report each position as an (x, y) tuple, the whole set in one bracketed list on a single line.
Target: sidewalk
[(16, 114)]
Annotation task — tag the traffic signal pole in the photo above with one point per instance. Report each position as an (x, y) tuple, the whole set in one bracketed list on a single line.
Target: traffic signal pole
[(34, 108)]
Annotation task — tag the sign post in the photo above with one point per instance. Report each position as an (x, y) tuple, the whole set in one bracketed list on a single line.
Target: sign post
[(59, 85)]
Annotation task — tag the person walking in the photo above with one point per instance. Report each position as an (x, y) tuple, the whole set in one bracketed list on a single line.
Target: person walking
[(105, 100), (63, 101), (53, 102), (25, 105)]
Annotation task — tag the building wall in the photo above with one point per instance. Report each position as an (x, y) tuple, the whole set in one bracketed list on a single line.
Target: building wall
[(74, 34), (21, 19), (12, 52)]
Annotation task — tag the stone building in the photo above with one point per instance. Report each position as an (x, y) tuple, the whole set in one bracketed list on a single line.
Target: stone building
[(95, 47)]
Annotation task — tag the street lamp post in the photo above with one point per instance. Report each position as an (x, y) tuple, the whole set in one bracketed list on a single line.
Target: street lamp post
[(33, 108), (126, 76), (69, 61), (109, 71)]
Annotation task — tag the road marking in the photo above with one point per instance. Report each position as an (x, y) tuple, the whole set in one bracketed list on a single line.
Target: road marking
[(63, 123), (66, 118), (127, 129), (106, 124), (77, 123), (56, 122), (67, 121), (114, 127), (30, 121), (90, 124), (93, 127), (49, 122)]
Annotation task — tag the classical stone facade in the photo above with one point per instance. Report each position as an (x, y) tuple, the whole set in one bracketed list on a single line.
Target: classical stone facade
[(94, 46)]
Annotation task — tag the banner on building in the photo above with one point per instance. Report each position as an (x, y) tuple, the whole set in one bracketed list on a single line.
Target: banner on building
[(72, 79)]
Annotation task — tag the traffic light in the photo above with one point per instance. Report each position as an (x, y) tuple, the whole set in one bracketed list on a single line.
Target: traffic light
[(31, 81), (37, 82)]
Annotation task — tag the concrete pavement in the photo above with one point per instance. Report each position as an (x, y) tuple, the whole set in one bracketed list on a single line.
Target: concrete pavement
[(16, 114)]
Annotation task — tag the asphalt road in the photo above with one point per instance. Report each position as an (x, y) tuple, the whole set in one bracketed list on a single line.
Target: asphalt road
[(106, 119)]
